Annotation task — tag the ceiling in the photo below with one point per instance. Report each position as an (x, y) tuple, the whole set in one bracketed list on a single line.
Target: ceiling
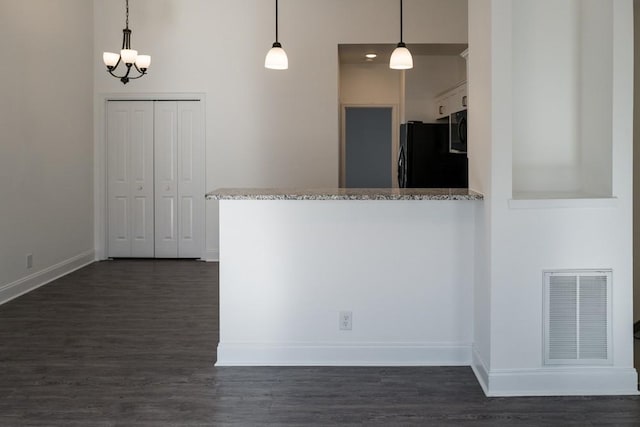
[(355, 53)]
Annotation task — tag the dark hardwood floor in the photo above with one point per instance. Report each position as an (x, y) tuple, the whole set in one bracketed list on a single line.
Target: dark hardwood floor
[(133, 343)]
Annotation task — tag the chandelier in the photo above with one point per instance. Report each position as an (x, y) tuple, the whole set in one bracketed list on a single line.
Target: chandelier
[(128, 56)]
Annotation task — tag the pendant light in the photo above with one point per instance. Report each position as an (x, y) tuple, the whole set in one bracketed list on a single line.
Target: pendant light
[(128, 56), (401, 58), (276, 57)]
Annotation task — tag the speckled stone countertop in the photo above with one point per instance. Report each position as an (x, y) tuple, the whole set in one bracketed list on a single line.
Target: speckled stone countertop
[(344, 194)]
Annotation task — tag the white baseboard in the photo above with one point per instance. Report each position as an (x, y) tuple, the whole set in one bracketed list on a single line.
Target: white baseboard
[(33, 281), (563, 381), (211, 255), (344, 355), (479, 368)]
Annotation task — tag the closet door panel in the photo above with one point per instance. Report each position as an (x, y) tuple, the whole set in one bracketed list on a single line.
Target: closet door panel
[(166, 180), (142, 177), (118, 179), (129, 181), (191, 179)]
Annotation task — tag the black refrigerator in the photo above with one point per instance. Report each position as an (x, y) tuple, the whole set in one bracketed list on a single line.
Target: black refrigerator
[(424, 160)]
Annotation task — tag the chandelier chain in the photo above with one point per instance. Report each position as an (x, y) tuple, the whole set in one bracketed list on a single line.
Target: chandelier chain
[(127, 5)]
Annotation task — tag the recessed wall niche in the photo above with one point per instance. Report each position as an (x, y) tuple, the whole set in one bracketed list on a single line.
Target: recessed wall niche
[(562, 98)]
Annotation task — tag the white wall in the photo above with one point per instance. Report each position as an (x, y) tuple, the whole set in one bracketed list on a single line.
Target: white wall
[(545, 94), (527, 238), (46, 152), (480, 179), (431, 75), (369, 84), (596, 100), (636, 178), (264, 128), (403, 268), (562, 97)]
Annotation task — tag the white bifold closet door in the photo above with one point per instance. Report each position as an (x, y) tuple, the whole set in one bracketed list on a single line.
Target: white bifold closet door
[(130, 179), (177, 156)]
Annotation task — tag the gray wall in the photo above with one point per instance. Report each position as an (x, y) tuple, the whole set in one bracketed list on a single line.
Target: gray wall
[(46, 148)]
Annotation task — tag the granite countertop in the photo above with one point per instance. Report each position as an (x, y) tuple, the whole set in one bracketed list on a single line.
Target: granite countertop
[(344, 194)]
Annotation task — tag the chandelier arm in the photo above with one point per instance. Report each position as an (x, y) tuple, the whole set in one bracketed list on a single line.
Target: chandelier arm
[(142, 74), (117, 63), (128, 74)]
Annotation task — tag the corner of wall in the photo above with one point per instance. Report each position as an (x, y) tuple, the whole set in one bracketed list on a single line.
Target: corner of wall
[(29, 283)]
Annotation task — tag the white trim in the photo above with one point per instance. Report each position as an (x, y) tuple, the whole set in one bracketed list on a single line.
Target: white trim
[(365, 354), (556, 381), (582, 202), (211, 255), (153, 96), (100, 157), (33, 281), (563, 381), (480, 370)]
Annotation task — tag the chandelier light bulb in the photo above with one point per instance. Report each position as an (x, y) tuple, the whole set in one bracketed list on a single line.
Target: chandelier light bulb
[(128, 55), (110, 59), (143, 61)]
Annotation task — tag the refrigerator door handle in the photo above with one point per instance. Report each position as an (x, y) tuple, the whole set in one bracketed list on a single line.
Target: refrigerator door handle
[(462, 131), (402, 173)]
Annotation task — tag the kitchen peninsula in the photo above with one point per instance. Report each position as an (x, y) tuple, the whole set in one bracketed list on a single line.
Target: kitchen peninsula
[(346, 276)]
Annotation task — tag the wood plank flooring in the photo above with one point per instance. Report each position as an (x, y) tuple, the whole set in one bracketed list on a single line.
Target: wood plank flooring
[(123, 343)]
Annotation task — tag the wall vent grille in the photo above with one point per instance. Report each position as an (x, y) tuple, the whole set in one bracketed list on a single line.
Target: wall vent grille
[(577, 317)]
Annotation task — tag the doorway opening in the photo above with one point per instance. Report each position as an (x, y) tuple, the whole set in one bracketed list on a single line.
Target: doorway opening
[(369, 89), (150, 177)]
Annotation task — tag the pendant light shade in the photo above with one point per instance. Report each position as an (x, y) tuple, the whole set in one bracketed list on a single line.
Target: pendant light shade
[(401, 58), (276, 58)]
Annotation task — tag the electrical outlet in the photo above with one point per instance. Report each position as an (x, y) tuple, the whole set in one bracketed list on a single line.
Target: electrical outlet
[(29, 260), (345, 320)]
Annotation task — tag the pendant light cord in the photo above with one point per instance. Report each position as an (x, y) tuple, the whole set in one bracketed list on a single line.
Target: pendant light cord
[(127, 6), (401, 15), (276, 21)]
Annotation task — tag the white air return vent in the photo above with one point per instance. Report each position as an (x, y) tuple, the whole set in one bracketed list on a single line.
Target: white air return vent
[(577, 318)]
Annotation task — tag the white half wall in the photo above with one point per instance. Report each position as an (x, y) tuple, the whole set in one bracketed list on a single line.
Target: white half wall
[(403, 268), (46, 153), (265, 128)]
